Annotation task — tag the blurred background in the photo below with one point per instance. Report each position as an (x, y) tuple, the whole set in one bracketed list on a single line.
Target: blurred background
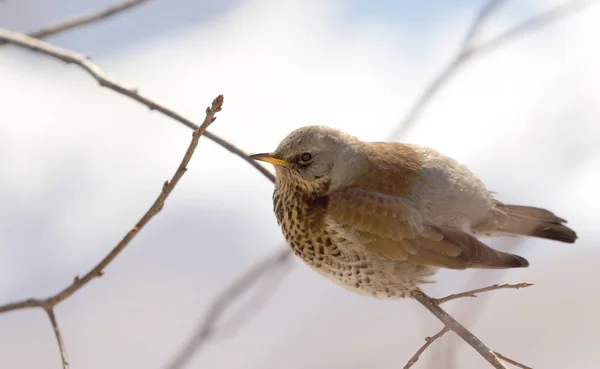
[(80, 164)]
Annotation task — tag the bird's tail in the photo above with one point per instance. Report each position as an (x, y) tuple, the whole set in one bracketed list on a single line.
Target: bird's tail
[(530, 221)]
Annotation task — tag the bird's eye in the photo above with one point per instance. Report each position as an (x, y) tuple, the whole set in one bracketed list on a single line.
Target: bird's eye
[(304, 158)]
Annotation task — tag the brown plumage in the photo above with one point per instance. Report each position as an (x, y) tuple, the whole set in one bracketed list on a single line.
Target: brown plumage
[(379, 218)]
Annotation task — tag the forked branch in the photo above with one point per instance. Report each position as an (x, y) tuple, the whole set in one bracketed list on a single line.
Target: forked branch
[(49, 303), (469, 49), (433, 305)]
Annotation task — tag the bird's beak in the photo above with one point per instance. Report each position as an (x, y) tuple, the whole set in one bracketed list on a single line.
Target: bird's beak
[(269, 158)]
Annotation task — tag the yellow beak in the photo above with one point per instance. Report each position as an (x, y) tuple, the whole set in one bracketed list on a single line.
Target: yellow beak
[(269, 158)]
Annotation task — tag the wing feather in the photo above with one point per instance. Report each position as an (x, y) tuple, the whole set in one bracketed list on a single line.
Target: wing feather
[(394, 230)]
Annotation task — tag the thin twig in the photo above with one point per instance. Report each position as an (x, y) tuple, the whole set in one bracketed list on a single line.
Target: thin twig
[(511, 361), (457, 328), (243, 282), (82, 20), (156, 207), (428, 341), (473, 293), (61, 344), (468, 51), (104, 80)]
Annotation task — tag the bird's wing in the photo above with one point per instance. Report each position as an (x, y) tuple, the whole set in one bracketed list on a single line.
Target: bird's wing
[(394, 230)]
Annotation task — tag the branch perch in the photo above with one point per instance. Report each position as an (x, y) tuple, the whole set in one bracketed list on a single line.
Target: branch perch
[(430, 304), (433, 305)]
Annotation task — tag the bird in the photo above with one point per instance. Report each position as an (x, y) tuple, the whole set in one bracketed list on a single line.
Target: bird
[(382, 218)]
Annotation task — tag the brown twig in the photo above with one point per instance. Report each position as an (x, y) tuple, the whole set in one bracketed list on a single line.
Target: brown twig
[(104, 80), (511, 361), (49, 303), (82, 20), (473, 293), (243, 282), (156, 207), (457, 328), (428, 341), (469, 50), (61, 344)]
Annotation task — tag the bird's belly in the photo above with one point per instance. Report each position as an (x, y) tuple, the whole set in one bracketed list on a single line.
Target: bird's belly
[(347, 262)]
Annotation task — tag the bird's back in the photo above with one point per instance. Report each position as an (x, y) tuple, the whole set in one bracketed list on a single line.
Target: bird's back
[(444, 192)]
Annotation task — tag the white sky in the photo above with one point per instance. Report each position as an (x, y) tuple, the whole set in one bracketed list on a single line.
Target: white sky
[(80, 164)]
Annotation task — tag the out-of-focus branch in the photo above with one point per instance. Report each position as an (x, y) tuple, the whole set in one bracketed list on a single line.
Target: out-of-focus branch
[(97, 271), (61, 344), (469, 50), (473, 293), (539, 21), (484, 14), (83, 20), (104, 80), (206, 328), (428, 341)]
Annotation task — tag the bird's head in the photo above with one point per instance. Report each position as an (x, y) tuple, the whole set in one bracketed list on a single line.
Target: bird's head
[(318, 159)]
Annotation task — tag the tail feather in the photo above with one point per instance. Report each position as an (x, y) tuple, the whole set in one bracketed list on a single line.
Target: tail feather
[(534, 222)]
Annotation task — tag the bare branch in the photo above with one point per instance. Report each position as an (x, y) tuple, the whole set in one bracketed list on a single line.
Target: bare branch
[(206, 328), (83, 20), (511, 361), (534, 23), (484, 14), (98, 74), (457, 328), (473, 293), (428, 341), (156, 207), (259, 298), (61, 344), (251, 277), (468, 51)]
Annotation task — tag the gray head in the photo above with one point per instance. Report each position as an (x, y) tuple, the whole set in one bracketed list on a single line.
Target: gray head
[(313, 154)]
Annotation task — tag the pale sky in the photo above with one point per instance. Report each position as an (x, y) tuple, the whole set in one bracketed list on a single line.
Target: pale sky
[(80, 164)]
